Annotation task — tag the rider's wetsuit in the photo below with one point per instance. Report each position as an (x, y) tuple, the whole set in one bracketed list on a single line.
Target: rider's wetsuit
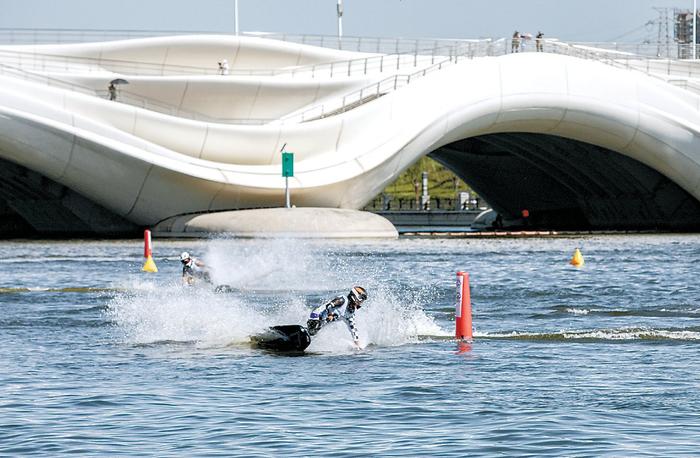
[(194, 270), (333, 310)]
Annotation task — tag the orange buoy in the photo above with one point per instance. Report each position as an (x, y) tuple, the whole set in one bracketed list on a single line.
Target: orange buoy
[(149, 265), (577, 259), (463, 310)]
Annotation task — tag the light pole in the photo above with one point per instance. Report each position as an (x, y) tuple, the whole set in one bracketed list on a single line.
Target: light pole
[(340, 18), (695, 25), (235, 14)]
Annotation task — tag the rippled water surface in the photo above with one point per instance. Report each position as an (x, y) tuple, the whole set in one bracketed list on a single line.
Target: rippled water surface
[(98, 358)]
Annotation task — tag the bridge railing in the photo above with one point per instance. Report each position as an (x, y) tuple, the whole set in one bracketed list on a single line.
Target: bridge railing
[(614, 57), (28, 36), (654, 50), (377, 45), (431, 55), (123, 96), (390, 52), (43, 79), (74, 64), (411, 53), (139, 101), (416, 57), (385, 86), (359, 66), (380, 45), (658, 67), (388, 202)]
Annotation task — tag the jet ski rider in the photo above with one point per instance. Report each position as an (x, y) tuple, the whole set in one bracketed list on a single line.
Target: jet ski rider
[(336, 309), (193, 269)]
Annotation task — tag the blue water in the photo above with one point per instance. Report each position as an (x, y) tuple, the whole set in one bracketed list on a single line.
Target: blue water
[(100, 359)]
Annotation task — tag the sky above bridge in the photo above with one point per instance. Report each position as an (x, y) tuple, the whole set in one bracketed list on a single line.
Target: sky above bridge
[(575, 20)]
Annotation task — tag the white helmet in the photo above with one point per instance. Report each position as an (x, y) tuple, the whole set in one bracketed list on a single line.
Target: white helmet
[(357, 295), (184, 256)]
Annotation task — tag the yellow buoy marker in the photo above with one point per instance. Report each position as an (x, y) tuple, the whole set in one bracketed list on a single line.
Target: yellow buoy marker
[(577, 258), (149, 265)]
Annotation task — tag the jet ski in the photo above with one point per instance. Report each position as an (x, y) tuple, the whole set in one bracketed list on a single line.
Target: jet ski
[(285, 338)]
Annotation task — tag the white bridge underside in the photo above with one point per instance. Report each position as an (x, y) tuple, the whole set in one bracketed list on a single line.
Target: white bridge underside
[(579, 143)]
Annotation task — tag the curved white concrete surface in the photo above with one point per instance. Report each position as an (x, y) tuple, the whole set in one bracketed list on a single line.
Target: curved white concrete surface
[(146, 166), (281, 222)]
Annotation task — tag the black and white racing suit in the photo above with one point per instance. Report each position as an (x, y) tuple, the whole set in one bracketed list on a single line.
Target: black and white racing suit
[(333, 310)]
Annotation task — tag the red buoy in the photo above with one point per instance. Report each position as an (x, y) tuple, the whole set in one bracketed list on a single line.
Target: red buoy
[(149, 265), (147, 250), (463, 311)]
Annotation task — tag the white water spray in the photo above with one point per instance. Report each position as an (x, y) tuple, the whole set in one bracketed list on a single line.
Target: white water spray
[(272, 282)]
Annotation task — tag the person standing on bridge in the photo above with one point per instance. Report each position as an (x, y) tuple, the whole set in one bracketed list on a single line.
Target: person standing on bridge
[(223, 67), (112, 89), (515, 44)]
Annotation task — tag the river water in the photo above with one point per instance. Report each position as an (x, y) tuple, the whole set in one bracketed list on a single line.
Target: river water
[(99, 358)]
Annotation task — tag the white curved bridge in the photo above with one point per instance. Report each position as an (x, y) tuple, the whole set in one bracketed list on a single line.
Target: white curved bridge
[(581, 137)]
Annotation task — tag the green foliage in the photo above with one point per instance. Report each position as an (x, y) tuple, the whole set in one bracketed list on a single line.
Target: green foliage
[(442, 183)]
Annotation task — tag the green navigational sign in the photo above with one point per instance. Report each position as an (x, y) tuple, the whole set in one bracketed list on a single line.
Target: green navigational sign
[(287, 164), (287, 171)]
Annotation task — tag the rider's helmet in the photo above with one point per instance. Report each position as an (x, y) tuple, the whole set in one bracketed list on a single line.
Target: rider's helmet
[(357, 296), (184, 257)]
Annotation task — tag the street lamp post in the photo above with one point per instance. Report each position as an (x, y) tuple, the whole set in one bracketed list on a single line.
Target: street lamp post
[(235, 14), (340, 18)]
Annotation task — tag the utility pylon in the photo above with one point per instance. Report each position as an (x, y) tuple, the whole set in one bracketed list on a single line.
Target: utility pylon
[(663, 42)]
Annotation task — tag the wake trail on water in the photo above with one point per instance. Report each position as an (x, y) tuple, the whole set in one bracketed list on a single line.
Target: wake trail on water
[(626, 334), (45, 289)]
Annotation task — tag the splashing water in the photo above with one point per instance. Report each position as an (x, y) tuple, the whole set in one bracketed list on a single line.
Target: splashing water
[(181, 314), (273, 282), (275, 265), (176, 313), (384, 322)]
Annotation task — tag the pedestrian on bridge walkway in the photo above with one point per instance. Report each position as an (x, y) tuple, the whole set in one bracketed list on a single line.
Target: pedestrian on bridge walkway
[(515, 44)]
